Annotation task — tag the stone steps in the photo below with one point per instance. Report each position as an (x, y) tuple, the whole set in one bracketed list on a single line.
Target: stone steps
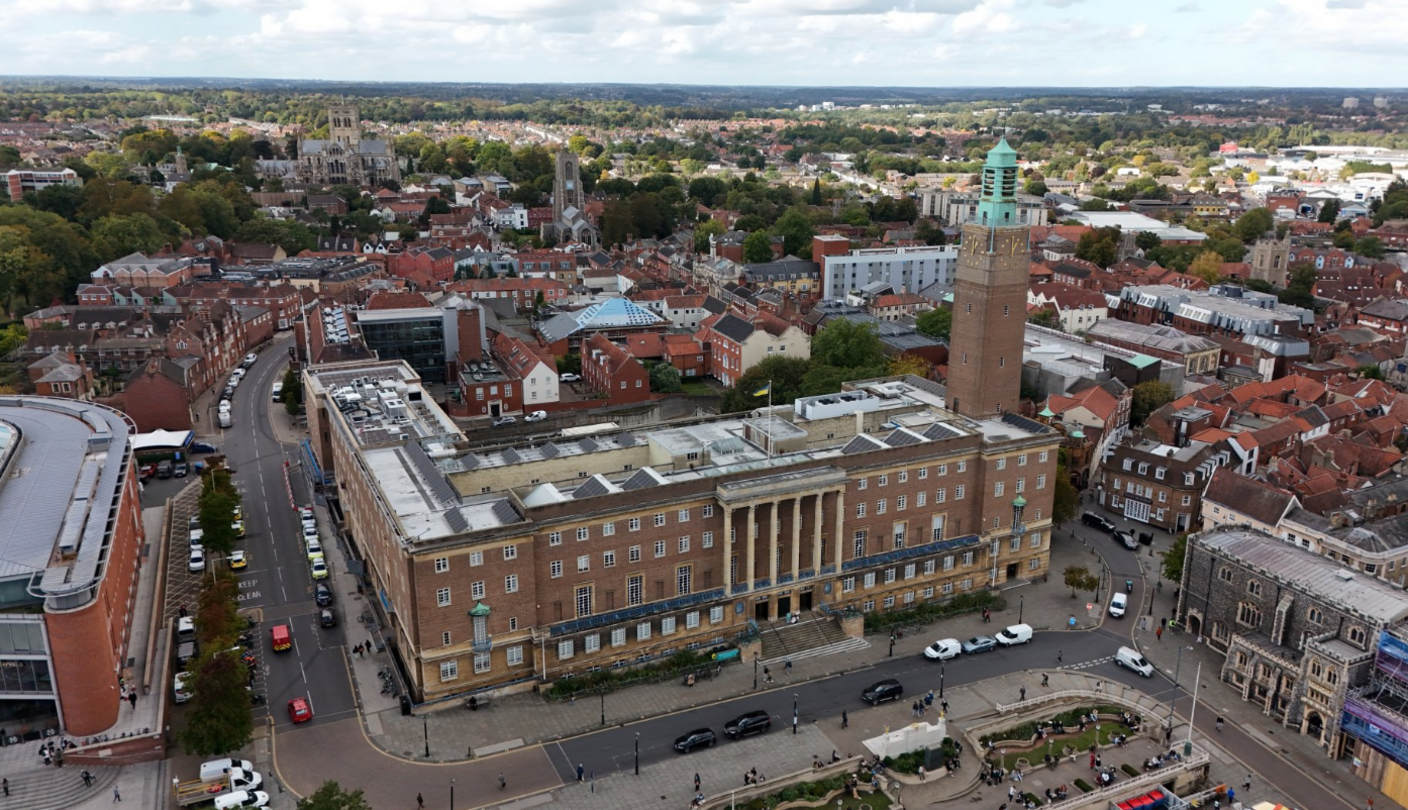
[(848, 645), (58, 788), (792, 640)]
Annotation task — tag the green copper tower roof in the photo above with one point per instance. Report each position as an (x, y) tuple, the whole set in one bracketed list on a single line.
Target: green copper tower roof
[(997, 206)]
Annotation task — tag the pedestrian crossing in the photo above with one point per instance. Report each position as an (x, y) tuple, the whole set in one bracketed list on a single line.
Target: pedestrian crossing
[(1088, 664)]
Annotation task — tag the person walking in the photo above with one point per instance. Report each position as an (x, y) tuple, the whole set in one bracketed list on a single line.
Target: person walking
[(1060, 656), (503, 783), (696, 783), (132, 698), (1045, 679), (845, 719), (923, 774), (1247, 785), (581, 772), (1159, 634), (116, 795), (5, 785), (943, 707), (420, 801), (1099, 686), (1218, 723), (1023, 693), (787, 666)]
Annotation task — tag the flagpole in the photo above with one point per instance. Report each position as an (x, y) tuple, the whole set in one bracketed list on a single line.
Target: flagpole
[(770, 420)]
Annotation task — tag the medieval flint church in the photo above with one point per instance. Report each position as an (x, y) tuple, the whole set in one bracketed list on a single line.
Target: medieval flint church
[(344, 157)]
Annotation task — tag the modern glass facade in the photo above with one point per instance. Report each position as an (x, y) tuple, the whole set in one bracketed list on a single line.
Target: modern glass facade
[(420, 341)]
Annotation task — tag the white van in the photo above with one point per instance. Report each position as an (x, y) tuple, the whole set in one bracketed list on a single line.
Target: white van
[(943, 649), (242, 798), (1016, 634), (1129, 658), (1118, 603), (217, 768), (278, 390), (226, 420)]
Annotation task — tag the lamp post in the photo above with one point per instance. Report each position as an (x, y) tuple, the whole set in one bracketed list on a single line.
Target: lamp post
[(941, 681), (452, 794), (637, 753), (755, 670), (1021, 607), (1178, 662), (794, 712), (425, 723), (892, 643), (603, 707)]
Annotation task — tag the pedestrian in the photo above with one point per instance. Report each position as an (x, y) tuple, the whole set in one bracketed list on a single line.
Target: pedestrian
[(1092, 760), (1060, 656), (943, 706), (1247, 785), (845, 719), (132, 698), (1024, 693), (1168, 734), (420, 802), (1011, 792), (503, 783), (1163, 622), (914, 709), (183, 611), (116, 794), (1045, 679), (5, 785), (1218, 723), (696, 783), (1098, 763), (1159, 634), (923, 774), (1071, 623), (1231, 796), (767, 675), (787, 666), (581, 771), (1099, 686)]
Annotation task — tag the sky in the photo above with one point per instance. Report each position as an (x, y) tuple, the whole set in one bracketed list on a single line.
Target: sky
[(924, 43)]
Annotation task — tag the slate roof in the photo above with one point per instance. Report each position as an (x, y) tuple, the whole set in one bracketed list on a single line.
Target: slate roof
[(1256, 499)]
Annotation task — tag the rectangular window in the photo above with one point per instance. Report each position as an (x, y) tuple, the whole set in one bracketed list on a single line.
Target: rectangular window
[(889, 575), (998, 488), (968, 584), (633, 554), (683, 580), (481, 663), (909, 571), (958, 493), (659, 548), (591, 643), (515, 655), (882, 481), (584, 563), (659, 519), (476, 558), (565, 649), (643, 631), (921, 499), (449, 671), (510, 552), (1002, 464), (903, 476), (858, 544), (869, 580), (942, 470), (635, 590), (691, 620), (511, 583), (608, 559), (442, 597), (1021, 485), (584, 601), (582, 533), (442, 564), (940, 496), (634, 524), (1036, 540), (880, 506), (667, 626), (618, 637), (1034, 563), (1041, 482), (862, 483), (929, 566), (948, 563), (707, 540), (684, 544), (1022, 460), (899, 529), (708, 510), (848, 584), (889, 602), (900, 503), (476, 590), (860, 510), (682, 516), (445, 639), (962, 466), (555, 568), (716, 614), (1014, 544), (968, 559), (923, 473), (1041, 457)]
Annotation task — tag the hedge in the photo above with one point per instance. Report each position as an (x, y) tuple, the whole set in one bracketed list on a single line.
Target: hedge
[(932, 611)]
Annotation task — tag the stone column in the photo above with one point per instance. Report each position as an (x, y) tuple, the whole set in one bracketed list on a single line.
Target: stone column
[(752, 545), (816, 535), (728, 549), (840, 527), (796, 538), (772, 543)]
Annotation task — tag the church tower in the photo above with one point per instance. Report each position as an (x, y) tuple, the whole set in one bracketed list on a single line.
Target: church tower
[(567, 185), (345, 125), (990, 297)]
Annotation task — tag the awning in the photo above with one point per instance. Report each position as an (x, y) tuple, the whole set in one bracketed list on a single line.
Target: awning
[(161, 440)]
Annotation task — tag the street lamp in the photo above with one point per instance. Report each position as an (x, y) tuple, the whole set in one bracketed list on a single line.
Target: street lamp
[(1174, 695), (452, 794), (425, 722), (892, 643), (603, 707), (1021, 607), (637, 753), (941, 681), (794, 712), (755, 670)]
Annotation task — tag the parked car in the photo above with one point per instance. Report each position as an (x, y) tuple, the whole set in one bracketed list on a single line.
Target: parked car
[(505, 420), (197, 561), (327, 618), (1147, 538), (1098, 521), (314, 548), (754, 722), (978, 644), (238, 559), (179, 687), (1016, 634), (146, 471), (536, 416), (319, 569), (278, 392), (203, 447), (1118, 603), (180, 469), (943, 649), (298, 710), (163, 469), (882, 692), (241, 798), (1127, 540), (322, 594), (698, 738), (570, 377), (250, 359)]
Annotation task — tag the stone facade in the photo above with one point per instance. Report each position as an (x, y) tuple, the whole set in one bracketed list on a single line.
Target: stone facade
[(344, 157)]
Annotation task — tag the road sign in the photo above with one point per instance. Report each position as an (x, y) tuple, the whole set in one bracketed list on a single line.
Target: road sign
[(1089, 605)]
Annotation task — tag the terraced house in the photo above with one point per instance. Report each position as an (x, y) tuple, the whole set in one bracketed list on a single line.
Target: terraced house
[(502, 561)]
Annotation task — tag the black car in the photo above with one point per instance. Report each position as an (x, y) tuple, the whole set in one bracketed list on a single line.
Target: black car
[(698, 738), (1098, 521), (886, 690), (327, 618), (202, 447), (755, 722), (322, 594), (1127, 540)]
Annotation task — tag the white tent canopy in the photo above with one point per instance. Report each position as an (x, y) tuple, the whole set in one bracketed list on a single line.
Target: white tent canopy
[(161, 440)]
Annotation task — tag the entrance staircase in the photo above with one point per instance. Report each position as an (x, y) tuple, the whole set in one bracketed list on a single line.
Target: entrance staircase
[(806, 639), (56, 788)]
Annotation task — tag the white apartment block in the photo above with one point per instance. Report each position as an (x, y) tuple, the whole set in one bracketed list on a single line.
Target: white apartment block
[(954, 208), (907, 269)]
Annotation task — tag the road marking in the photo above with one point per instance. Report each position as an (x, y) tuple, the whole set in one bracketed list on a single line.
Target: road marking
[(1088, 664), (246, 596)]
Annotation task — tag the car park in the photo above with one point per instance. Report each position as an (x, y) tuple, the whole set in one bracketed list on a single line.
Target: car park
[(1016, 634), (1097, 521), (882, 692), (536, 416), (698, 738), (1131, 659), (979, 644), (319, 569), (505, 420), (299, 711), (570, 377), (1118, 603), (754, 722), (322, 594), (327, 618), (238, 559), (943, 649), (1126, 539), (197, 561)]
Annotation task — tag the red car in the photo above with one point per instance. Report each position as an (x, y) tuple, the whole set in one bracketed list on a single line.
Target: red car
[(298, 711)]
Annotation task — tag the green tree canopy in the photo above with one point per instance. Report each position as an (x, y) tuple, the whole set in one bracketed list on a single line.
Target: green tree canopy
[(936, 323), (1100, 246), (796, 230), (1254, 224), (117, 235), (332, 796), (665, 379), (1066, 500), (1208, 267), (1149, 397), (757, 248), (848, 344), (1173, 559), (785, 373)]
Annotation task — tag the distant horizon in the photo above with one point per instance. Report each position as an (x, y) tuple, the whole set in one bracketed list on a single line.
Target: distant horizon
[(789, 43)]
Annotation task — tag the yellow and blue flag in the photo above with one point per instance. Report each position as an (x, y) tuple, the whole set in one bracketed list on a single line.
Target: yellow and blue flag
[(764, 391)]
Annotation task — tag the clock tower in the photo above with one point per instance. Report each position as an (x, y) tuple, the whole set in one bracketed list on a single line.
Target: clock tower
[(990, 297)]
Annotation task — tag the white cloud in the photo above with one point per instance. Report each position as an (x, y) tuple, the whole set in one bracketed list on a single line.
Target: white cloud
[(1357, 26), (989, 17)]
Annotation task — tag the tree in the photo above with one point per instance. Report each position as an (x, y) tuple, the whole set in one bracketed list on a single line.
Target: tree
[(902, 364), (292, 392), (1036, 188), (1079, 578), (783, 372), (1148, 397), (848, 344), (1147, 240), (1045, 317), (821, 379), (1370, 247), (1208, 267), (331, 796), (1329, 212), (816, 192), (709, 191), (1066, 500), (757, 248), (216, 508), (1100, 246), (796, 230), (936, 323), (1300, 286), (1371, 372), (703, 231), (118, 235), (219, 719), (1173, 559), (1252, 225), (665, 378)]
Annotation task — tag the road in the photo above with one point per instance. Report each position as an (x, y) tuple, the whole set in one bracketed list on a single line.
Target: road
[(277, 584)]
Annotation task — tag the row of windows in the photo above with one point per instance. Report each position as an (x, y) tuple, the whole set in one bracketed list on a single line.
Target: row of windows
[(643, 631), (1159, 472), (608, 529), (476, 559)]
